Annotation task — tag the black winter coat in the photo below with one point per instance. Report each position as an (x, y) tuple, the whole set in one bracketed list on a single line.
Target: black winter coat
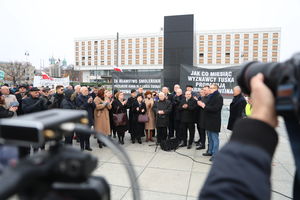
[(56, 100), (138, 127), (31, 105), (176, 104), (188, 114), (118, 107), (19, 97), (242, 169), (237, 108), (82, 104), (5, 113), (212, 112), (129, 105), (162, 120)]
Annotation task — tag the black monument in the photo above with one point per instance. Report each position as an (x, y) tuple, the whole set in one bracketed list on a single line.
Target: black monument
[(178, 46)]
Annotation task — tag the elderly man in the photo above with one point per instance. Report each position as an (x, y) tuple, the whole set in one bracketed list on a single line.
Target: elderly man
[(187, 107), (85, 102), (212, 122), (237, 107), (161, 109), (76, 93)]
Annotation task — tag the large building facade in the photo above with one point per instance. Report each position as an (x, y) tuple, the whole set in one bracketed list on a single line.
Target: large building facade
[(96, 57)]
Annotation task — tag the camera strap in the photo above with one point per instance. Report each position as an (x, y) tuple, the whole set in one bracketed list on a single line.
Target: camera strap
[(293, 129)]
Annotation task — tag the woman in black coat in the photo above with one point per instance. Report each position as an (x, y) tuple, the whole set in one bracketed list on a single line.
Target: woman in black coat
[(138, 108), (119, 106)]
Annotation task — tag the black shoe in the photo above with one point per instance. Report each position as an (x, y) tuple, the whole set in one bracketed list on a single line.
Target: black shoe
[(189, 146), (206, 154), (140, 141), (100, 145), (132, 141), (89, 149), (197, 142), (114, 136), (200, 147)]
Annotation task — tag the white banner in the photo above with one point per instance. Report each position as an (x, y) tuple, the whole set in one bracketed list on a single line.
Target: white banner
[(39, 82)]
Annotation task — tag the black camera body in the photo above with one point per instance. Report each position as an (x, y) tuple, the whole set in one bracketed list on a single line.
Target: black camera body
[(282, 78)]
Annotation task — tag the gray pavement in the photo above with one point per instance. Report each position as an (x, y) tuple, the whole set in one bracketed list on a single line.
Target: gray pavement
[(170, 176)]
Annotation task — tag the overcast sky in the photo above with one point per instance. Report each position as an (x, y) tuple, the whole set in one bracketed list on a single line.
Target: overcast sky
[(47, 28)]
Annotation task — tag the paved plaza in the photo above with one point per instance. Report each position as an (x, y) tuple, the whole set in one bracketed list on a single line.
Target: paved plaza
[(169, 176)]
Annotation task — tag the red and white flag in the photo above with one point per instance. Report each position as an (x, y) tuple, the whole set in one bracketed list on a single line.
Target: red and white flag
[(45, 76), (117, 69)]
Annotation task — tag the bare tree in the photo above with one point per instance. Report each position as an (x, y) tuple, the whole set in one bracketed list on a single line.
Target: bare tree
[(16, 72)]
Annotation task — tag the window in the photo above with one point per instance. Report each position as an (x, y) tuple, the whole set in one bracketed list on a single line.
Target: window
[(255, 35), (246, 36), (227, 61), (246, 42), (201, 54), (227, 54), (76, 43), (201, 37), (82, 58), (265, 35), (227, 37), (219, 37), (275, 41), (237, 36), (265, 41), (201, 61), (275, 35), (209, 61), (236, 61), (210, 37)]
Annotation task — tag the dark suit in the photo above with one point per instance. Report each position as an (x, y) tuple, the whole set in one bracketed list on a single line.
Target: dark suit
[(212, 120), (187, 119)]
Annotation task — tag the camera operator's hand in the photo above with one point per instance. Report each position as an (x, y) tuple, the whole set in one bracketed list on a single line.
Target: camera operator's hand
[(263, 101)]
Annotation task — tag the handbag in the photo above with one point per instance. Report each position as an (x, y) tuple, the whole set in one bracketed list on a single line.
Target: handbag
[(143, 118), (120, 119)]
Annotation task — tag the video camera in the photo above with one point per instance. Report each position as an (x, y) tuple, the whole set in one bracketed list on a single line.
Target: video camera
[(62, 172)]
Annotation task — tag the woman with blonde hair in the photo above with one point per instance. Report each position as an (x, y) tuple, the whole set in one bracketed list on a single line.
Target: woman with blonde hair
[(119, 110), (150, 125), (101, 113)]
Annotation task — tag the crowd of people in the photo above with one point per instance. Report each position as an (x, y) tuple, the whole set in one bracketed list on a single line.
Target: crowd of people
[(144, 115)]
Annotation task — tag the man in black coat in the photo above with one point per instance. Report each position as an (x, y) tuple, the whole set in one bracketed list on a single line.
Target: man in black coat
[(237, 107), (177, 113), (200, 123), (169, 97), (85, 102), (187, 107), (242, 169), (161, 109), (33, 103), (212, 119), (57, 98), (20, 95)]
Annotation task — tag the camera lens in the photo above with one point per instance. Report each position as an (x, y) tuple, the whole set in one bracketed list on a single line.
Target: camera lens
[(270, 71)]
